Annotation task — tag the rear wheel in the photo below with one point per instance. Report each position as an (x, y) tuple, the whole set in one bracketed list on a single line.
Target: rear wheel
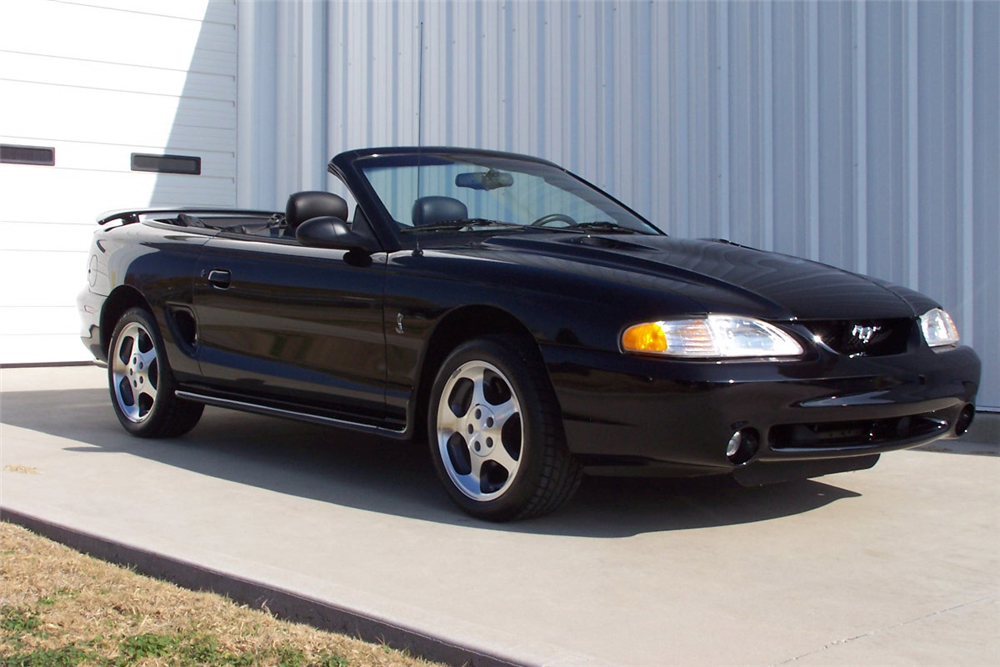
[(496, 434), (142, 386)]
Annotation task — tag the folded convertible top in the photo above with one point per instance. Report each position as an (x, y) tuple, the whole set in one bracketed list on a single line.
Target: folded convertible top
[(128, 216)]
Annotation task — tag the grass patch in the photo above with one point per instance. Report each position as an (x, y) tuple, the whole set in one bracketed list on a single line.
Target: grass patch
[(59, 608), (18, 620)]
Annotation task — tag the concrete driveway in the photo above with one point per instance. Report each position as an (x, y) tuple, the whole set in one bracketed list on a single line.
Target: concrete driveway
[(898, 565)]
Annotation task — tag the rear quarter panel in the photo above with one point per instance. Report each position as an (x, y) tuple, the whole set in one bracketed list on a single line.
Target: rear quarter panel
[(158, 261)]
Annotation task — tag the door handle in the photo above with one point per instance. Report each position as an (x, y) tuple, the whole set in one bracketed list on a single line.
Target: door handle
[(220, 278)]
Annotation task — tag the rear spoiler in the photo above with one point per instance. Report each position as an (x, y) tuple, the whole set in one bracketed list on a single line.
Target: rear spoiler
[(128, 216)]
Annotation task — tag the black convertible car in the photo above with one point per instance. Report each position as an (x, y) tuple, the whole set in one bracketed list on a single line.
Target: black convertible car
[(527, 323)]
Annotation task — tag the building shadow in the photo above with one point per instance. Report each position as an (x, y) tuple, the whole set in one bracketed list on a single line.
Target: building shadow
[(204, 121), (381, 475)]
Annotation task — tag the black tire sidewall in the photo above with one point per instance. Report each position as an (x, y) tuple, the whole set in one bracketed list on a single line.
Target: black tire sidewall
[(509, 358)]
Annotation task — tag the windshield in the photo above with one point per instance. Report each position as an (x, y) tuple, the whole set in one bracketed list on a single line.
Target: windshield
[(470, 192)]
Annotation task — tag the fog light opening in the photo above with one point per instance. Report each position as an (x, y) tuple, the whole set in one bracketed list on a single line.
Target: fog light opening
[(742, 446), (964, 420)]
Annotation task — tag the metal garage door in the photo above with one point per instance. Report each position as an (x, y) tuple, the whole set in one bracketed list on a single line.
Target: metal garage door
[(96, 85)]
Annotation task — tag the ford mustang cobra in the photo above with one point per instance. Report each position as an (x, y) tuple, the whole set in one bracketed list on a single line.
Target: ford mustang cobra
[(528, 325)]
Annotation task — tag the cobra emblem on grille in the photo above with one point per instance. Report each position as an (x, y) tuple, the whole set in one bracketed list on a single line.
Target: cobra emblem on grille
[(864, 334)]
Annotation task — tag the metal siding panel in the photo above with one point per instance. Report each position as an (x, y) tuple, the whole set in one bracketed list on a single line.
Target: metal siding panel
[(722, 86), (406, 101), (646, 173), (895, 221), (831, 132), (767, 121), (882, 133), (740, 123), (912, 148), (622, 103), (937, 155), (465, 91), (256, 102), (699, 178), (588, 80), (606, 127), (434, 75), (986, 195), (550, 86), (860, 77), (787, 170), (680, 220), (965, 110), (759, 97), (332, 34), (285, 43), (661, 118), (358, 83), (862, 135), (494, 88), (813, 77), (313, 112), (506, 56)]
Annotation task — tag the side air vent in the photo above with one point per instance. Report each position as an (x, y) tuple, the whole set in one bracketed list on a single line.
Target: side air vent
[(185, 329)]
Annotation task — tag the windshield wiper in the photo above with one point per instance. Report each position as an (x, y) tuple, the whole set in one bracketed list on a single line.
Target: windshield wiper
[(597, 226), (465, 223)]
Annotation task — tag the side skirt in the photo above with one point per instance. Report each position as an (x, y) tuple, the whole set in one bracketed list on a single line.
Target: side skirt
[(291, 414)]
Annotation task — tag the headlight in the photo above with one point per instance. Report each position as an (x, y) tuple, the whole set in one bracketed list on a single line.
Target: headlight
[(938, 328), (715, 336)]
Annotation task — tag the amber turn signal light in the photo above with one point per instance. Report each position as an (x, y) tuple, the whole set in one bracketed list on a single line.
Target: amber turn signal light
[(647, 337)]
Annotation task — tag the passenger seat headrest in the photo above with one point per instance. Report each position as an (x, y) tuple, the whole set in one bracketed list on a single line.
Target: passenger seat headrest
[(310, 204), (432, 210)]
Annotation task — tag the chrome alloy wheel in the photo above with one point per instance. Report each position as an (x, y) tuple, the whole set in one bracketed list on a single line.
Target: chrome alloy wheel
[(135, 372), (480, 431)]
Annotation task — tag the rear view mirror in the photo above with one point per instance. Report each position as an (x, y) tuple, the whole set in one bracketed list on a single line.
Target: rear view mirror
[(484, 180)]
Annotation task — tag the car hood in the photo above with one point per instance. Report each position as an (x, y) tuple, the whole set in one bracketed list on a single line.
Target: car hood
[(720, 275)]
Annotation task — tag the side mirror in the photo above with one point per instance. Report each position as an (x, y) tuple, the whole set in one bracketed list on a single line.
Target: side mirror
[(329, 232)]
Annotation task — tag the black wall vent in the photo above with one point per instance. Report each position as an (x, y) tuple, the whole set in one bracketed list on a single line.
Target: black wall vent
[(167, 164), (40, 155)]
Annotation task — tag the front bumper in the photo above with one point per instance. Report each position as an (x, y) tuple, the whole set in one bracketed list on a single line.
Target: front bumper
[(828, 413)]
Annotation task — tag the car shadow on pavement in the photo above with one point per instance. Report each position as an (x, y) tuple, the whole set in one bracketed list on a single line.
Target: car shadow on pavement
[(381, 475)]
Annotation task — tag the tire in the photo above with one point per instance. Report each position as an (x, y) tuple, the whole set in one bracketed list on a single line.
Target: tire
[(141, 383), (495, 432)]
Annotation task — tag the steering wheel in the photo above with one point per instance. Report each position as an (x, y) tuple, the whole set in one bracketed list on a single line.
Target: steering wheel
[(553, 217)]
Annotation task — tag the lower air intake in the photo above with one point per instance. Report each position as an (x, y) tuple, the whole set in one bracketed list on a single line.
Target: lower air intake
[(840, 435)]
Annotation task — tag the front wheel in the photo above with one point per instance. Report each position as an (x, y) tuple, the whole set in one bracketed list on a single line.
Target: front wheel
[(496, 435), (141, 384)]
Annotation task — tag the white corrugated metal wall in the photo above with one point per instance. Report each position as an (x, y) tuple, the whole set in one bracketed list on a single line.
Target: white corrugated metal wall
[(863, 135), (98, 80)]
